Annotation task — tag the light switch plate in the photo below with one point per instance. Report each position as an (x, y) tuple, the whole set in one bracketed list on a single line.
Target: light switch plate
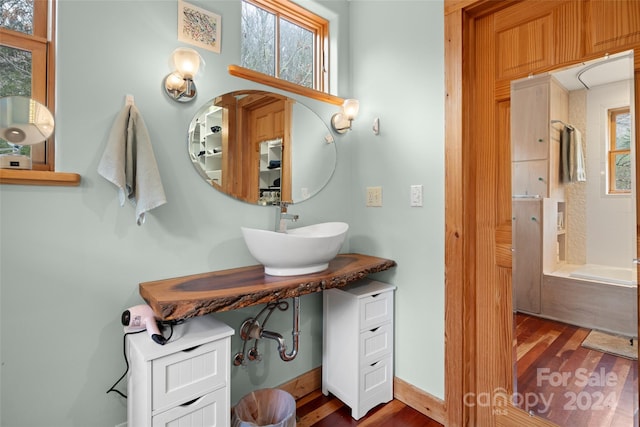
[(416, 195), (374, 196)]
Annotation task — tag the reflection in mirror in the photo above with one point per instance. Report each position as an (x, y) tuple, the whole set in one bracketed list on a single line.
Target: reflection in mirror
[(574, 279), (261, 147), (23, 122)]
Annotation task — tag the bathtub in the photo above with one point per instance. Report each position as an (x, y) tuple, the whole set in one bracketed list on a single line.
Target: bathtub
[(592, 296), (605, 274)]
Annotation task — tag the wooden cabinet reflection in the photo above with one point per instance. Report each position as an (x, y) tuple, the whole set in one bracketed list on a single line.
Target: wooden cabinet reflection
[(249, 126)]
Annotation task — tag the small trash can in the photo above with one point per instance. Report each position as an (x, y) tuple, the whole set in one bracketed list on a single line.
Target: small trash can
[(265, 408)]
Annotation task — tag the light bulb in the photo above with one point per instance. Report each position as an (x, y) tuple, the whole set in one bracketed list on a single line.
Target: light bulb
[(350, 108), (186, 62), (174, 82)]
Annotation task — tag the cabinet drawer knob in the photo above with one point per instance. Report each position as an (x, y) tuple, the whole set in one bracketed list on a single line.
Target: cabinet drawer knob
[(540, 140)]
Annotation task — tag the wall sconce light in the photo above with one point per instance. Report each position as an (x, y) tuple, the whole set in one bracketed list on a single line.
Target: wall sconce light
[(341, 122), (186, 63)]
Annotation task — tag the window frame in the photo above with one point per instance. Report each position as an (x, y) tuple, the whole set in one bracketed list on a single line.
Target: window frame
[(42, 47), (612, 152), (319, 26)]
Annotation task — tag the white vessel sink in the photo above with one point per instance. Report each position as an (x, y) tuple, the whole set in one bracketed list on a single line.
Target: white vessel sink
[(298, 251)]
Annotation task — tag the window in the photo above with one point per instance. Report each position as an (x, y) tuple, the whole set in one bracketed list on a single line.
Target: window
[(284, 40), (619, 151), (26, 63)]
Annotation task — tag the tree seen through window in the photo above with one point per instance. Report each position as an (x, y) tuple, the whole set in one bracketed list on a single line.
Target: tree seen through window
[(283, 40)]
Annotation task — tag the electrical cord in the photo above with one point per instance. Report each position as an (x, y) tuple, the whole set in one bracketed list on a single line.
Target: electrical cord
[(113, 389), (126, 361)]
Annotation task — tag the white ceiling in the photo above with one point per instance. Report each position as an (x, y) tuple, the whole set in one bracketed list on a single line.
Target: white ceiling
[(606, 70)]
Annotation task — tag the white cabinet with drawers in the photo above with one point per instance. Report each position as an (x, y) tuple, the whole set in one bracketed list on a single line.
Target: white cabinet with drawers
[(184, 382), (357, 357)]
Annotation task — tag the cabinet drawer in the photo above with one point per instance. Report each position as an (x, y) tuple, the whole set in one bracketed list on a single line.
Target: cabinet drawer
[(375, 343), (188, 374), (375, 310), (209, 410), (376, 384)]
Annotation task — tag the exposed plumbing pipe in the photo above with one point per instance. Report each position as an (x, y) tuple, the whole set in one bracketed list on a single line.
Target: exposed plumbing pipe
[(256, 332)]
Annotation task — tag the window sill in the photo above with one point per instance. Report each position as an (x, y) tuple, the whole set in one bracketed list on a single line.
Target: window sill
[(255, 76), (34, 177)]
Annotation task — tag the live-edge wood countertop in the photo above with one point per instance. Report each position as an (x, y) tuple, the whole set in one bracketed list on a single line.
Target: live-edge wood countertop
[(199, 294)]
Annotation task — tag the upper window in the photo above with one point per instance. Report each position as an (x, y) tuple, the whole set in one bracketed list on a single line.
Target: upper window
[(619, 151), (284, 40), (26, 64)]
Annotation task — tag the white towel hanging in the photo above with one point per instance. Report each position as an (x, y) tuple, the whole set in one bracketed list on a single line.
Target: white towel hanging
[(129, 163)]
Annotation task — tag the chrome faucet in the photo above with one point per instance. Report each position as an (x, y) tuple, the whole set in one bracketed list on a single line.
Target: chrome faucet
[(282, 216)]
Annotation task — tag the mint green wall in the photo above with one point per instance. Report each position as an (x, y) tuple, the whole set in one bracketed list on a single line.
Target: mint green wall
[(397, 69), (72, 258)]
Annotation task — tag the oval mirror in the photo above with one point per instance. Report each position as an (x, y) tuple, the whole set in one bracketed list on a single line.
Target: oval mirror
[(261, 147)]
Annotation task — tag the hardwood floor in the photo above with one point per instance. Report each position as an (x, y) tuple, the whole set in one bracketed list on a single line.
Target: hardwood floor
[(557, 379), (570, 385), (318, 410)]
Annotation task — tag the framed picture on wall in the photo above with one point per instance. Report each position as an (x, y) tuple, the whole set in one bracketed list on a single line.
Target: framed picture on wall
[(199, 27)]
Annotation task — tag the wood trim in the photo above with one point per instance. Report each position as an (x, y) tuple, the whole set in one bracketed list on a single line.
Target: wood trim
[(512, 416), (458, 370), (612, 151), (50, 144), (406, 393), (303, 384), (419, 400), (245, 73), (34, 177), (40, 18), (453, 6), (42, 47), (471, 299)]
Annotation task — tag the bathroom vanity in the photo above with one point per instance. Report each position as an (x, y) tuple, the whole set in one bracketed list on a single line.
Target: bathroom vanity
[(224, 290), (190, 374)]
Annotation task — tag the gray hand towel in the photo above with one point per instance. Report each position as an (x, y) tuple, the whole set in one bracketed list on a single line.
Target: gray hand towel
[(128, 162)]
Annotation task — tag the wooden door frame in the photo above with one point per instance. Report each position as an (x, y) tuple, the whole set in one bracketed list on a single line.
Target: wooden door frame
[(461, 233)]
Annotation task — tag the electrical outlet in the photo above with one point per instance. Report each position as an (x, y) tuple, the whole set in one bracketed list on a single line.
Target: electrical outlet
[(374, 196), (416, 195)]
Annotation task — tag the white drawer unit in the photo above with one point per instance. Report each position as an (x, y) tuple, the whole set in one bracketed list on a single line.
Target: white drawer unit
[(357, 355), (184, 382)]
